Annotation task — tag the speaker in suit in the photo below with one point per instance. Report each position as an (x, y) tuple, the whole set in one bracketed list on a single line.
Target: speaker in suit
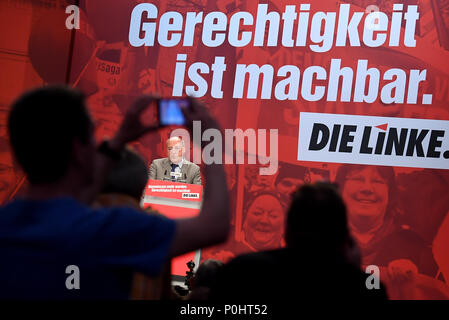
[(160, 169)]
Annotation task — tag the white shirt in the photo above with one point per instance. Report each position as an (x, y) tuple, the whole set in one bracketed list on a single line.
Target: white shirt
[(180, 163)]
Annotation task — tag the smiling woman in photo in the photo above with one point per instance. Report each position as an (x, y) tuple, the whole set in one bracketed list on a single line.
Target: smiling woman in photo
[(263, 225), (373, 213), (366, 193)]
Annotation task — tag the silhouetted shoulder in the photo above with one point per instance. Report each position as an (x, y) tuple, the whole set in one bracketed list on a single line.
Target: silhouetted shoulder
[(283, 275)]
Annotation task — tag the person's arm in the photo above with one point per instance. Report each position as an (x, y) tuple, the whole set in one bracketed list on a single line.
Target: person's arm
[(131, 129), (211, 226)]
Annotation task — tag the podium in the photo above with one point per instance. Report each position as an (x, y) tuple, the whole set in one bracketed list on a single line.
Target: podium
[(175, 200)]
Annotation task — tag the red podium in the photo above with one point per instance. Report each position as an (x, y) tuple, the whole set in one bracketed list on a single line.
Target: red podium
[(175, 200)]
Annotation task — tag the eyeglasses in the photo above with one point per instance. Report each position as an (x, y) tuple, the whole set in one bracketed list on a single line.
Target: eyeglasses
[(364, 180)]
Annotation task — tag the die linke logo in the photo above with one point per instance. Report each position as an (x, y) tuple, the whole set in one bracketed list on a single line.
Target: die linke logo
[(387, 141), (190, 195)]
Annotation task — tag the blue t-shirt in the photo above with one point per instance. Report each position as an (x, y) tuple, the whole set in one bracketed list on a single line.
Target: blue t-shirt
[(40, 239)]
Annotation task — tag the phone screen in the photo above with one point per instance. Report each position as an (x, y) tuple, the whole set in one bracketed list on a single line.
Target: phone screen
[(170, 112)]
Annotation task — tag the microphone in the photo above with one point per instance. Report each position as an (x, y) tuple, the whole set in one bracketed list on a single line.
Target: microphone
[(182, 180), (165, 177), (175, 175)]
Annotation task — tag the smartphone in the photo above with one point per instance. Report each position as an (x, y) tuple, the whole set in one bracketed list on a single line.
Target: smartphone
[(169, 111)]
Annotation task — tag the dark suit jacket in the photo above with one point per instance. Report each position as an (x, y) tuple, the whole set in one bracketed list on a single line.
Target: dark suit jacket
[(160, 169)]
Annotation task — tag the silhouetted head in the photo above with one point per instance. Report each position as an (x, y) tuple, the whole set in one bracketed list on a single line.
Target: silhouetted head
[(317, 219), (206, 274), (129, 176), (51, 133)]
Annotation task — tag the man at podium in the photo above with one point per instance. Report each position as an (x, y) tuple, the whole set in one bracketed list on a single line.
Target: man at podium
[(175, 167)]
